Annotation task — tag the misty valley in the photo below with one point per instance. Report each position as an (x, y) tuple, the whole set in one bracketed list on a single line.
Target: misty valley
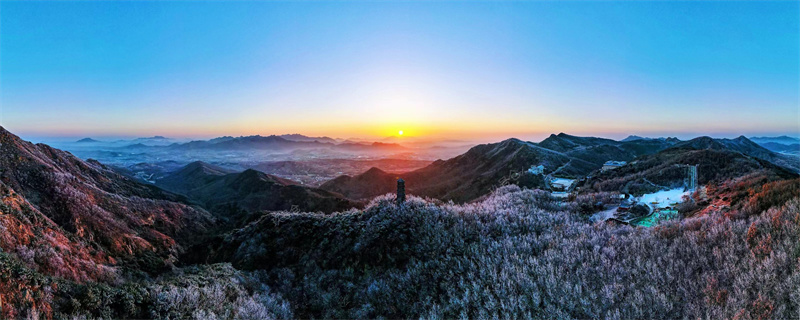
[(306, 160)]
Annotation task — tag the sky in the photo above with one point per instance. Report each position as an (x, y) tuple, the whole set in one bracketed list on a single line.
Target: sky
[(474, 69)]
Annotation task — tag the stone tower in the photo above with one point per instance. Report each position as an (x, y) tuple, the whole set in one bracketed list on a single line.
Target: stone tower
[(401, 191)]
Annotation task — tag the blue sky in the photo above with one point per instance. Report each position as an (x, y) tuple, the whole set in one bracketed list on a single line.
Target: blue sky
[(440, 69)]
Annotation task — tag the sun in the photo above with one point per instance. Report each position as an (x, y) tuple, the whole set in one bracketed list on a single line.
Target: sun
[(400, 133)]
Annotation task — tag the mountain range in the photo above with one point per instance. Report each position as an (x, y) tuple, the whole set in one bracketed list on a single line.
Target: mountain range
[(300, 137), (745, 147), (485, 167), (278, 143), (717, 160), (256, 142), (463, 178), (635, 137), (780, 139), (782, 148)]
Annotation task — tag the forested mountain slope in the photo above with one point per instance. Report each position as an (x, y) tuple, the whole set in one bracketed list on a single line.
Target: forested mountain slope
[(518, 254), (123, 221)]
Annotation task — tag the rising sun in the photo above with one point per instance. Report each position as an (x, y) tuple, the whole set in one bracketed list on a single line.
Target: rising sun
[(400, 133)]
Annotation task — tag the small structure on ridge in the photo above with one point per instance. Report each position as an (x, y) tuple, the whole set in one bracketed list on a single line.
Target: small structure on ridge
[(401, 191)]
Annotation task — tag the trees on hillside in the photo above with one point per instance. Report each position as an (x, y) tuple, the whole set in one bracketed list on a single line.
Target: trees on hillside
[(507, 257), (515, 254)]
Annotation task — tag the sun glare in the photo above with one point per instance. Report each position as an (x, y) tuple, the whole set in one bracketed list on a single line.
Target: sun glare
[(400, 133)]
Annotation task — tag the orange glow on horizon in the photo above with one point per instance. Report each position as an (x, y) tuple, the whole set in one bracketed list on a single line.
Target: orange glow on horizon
[(486, 130)]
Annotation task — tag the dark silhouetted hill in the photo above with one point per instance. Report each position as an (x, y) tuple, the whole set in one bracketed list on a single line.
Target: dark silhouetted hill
[(221, 191), (600, 150), (371, 183)]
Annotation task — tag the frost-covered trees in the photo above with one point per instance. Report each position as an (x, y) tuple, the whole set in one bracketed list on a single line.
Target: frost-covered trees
[(515, 254), (506, 257)]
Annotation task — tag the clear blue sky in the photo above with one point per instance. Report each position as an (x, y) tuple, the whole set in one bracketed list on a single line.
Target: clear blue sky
[(473, 69)]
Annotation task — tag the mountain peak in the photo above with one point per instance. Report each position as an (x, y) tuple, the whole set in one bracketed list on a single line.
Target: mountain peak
[(203, 168), (196, 165), (634, 138), (374, 171), (512, 140), (251, 172), (703, 142), (251, 176), (6, 135), (740, 144)]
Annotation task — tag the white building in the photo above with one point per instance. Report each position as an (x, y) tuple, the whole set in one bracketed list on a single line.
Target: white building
[(609, 165), (561, 184), (536, 169)]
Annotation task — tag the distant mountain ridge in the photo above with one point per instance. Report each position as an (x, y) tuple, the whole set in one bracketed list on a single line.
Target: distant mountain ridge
[(283, 142), (482, 168), (780, 139), (245, 142), (744, 146), (779, 147), (718, 160), (153, 138), (280, 143), (635, 137), (600, 150), (300, 137)]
